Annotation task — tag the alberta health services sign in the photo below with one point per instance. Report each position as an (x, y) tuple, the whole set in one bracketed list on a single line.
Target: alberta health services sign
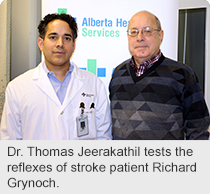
[(102, 39)]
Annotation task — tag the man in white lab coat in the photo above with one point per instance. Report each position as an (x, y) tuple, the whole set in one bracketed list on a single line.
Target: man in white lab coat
[(56, 100)]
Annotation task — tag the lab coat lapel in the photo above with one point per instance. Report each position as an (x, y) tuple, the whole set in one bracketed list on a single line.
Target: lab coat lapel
[(76, 83), (44, 84)]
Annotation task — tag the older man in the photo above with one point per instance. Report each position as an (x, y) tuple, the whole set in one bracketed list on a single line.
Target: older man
[(153, 97)]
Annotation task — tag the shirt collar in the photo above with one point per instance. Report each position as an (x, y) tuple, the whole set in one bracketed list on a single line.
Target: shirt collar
[(146, 64), (47, 71), (150, 61)]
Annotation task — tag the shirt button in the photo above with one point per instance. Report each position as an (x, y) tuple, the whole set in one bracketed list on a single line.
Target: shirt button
[(61, 112), (61, 85)]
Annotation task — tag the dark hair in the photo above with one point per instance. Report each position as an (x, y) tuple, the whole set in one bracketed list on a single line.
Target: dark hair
[(50, 17)]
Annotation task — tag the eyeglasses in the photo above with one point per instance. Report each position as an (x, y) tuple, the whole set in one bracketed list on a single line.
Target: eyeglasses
[(146, 31)]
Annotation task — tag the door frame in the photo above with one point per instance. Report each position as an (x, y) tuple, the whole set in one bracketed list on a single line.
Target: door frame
[(195, 4)]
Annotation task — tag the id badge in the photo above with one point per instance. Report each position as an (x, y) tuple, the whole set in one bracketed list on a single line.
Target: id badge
[(82, 126)]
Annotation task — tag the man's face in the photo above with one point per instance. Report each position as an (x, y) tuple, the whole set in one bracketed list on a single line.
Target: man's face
[(141, 47), (58, 45)]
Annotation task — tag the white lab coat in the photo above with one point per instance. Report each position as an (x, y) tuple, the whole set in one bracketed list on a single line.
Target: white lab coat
[(32, 110)]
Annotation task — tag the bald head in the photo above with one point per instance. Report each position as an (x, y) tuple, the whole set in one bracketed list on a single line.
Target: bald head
[(145, 15)]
